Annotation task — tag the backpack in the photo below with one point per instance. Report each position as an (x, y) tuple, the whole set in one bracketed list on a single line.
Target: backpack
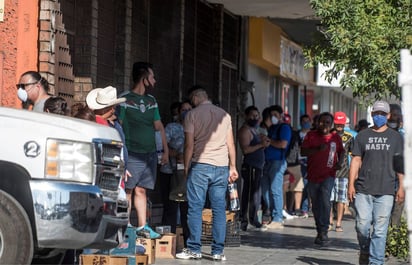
[(291, 150)]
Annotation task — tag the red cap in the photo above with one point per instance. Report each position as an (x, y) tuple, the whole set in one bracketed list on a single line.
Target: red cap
[(339, 118), (287, 118)]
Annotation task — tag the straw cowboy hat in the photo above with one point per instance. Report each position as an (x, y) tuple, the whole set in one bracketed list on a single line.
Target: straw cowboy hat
[(100, 98)]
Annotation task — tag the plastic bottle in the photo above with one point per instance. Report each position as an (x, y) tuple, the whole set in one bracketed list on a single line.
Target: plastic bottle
[(159, 147), (234, 197)]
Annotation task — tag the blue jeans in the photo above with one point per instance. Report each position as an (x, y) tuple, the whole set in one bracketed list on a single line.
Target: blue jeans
[(373, 211), (213, 180), (319, 194), (272, 187)]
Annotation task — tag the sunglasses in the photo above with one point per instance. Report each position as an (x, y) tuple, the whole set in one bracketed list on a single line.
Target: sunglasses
[(23, 86)]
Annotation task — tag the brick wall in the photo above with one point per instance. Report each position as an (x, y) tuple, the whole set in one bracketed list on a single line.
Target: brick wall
[(18, 47), (54, 53), (8, 54), (82, 86)]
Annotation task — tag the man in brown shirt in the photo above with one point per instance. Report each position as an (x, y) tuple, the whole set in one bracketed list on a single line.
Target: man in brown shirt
[(210, 163)]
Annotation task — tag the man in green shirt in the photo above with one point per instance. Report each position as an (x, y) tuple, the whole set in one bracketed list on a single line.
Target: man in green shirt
[(140, 118)]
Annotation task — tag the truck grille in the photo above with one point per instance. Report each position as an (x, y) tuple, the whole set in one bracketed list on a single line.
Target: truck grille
[(109, 181), (108, 153), (109, 166)]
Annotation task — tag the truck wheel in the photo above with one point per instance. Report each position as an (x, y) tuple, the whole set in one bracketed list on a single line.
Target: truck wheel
[(16, 242)]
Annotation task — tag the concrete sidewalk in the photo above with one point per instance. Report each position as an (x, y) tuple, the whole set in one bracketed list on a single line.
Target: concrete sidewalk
[(291, 245)]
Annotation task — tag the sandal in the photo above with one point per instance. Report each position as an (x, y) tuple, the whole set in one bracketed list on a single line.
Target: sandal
[(330, 228), (338, 228)]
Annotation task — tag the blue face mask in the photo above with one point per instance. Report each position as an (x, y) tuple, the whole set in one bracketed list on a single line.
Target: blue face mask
[(379, 120)]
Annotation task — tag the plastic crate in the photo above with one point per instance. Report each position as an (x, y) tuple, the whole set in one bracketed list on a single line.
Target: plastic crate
[(232, 234)]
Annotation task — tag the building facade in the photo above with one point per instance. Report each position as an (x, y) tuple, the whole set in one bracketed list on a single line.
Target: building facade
[(276, 67), (79, 45)]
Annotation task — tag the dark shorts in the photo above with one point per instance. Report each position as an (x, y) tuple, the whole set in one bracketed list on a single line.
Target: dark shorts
[(143, 169)]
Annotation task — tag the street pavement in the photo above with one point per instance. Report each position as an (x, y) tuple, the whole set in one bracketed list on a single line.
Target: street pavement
[(291, 245)]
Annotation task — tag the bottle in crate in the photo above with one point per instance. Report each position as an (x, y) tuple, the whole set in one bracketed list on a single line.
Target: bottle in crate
[(234, 197)]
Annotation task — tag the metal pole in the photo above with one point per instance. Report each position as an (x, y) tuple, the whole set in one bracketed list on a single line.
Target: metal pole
[(305, 96), (405, 81)]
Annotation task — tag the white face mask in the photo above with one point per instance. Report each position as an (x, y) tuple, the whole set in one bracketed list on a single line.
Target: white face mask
[(274, 120), (22, 94)]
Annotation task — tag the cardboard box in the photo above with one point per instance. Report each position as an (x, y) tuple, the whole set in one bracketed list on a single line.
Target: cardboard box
[(166, 247), (102, 259), (165, 229), (180, 240), (138, 260), (150, 246), (207, 216)]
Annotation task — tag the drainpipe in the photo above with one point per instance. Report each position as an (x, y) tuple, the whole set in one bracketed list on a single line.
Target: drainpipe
[(1, 77), (405, 81), (182, 46), (195, 45), (305, 98), (148, 31)]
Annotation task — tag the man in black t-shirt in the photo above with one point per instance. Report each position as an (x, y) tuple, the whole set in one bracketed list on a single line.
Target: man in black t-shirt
[(372, 181)]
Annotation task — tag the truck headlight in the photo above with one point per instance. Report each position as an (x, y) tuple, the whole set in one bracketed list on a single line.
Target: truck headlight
[(69, 160)]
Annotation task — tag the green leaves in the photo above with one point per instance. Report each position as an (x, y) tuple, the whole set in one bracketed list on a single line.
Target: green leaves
[(397, 241), (363, 38)]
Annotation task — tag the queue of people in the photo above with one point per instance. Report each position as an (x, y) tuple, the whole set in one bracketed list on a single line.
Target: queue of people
[(324, 165), (338, 165)]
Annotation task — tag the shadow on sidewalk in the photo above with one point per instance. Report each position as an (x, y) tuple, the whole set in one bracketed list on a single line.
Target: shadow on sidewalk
[(299, 234), (311, 260), (289, 241)]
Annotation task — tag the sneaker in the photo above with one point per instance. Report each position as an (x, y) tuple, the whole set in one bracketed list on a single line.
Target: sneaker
[(324, 237), (252, 228), (275, 225), (286, 215), (188, 254), (266, 219), (318, 240), (219, 257), (321, 239), (304, 214), (147, 232)]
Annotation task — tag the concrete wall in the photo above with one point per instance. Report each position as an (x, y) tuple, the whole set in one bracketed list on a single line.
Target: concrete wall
[(261, 79)]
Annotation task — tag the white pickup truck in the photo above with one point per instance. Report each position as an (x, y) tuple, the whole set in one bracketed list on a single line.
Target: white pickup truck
[(59, 180)]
